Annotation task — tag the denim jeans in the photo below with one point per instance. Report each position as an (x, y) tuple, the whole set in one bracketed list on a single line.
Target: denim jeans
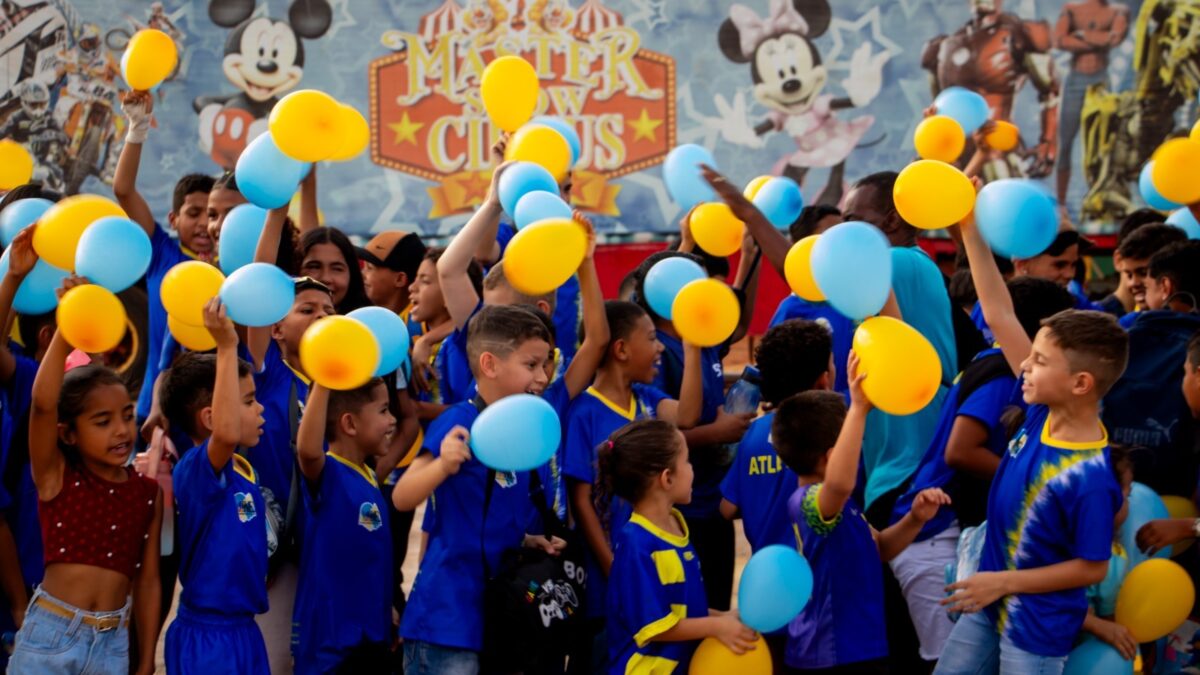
[(49, 644), (425, 658), (975, 647)]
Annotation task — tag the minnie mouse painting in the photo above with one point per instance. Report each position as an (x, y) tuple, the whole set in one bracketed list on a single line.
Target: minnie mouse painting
[(789, 77), (264, 58)]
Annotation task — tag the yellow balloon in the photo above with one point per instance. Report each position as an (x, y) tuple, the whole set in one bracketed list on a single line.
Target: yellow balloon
[(714, 658), (195, 338), (187, 287), (544, 255), (1195, 135), (339, 353), (903, 370), (1181, 507), (754, 186), (16, 164), (932, 195), (716, 229), (1154, 599), (149, 59), (1173, 171), (509, 89), (307, 125), (356, 133), (541, 145), (1004, 137), (797, 267), (939, 137), (61, 226), (91, 319), (705, 312)]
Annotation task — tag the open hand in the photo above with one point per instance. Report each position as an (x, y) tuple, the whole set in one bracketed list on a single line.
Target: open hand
[(976, 593)]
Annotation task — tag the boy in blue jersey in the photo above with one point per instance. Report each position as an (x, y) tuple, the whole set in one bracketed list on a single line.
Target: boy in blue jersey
[(1133, 257), (1053, 499), (842, 627), (961, 459), (340, 623), (429, 309), (442, 626), (222, 531)]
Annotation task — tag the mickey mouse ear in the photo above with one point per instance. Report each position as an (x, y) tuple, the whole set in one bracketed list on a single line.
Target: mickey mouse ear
[(310, 18), (229, 13)]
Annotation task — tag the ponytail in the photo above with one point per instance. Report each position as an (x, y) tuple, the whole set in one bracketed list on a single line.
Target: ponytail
[(630, 460)]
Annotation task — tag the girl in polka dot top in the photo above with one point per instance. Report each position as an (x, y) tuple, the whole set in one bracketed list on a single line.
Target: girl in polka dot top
[(100, 525)]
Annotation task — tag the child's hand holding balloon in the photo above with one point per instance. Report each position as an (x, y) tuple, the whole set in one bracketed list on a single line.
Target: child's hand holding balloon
[(217, 321), (21, 256), (454, 451), (735, 635)]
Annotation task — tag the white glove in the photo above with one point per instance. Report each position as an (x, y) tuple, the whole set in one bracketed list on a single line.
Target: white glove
[(733, 123), (139, 121), (866, 75)]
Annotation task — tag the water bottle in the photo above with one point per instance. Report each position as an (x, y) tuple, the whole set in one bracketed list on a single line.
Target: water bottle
[(743, 397)]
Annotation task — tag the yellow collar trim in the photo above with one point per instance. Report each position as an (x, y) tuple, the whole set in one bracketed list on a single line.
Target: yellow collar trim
[(1069, 445), (672, 539), (305, 380), (362, 470), (628, 413), (242, 466)]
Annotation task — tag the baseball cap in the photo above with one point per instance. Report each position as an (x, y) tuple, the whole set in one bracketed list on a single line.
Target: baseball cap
[(396, 250)]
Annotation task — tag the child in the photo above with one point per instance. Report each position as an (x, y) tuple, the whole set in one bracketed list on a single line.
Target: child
[(429, 309), (1102, 597), (656, 602), (328, 256), (443, 627), (1173, 278), (1135, 253), (1053, 500), (100, 525), (842, 627), (961, 459), (341, 621), (390, 264), (222, 516)]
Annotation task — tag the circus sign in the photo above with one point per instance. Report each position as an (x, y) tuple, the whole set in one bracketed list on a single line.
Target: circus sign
[(428, 121)]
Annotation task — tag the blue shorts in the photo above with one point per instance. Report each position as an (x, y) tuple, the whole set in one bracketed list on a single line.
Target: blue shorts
[(214, 644), (51, 642)]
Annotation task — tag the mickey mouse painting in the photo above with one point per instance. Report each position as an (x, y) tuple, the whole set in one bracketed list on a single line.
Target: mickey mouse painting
[(789, 79), (264, 59)]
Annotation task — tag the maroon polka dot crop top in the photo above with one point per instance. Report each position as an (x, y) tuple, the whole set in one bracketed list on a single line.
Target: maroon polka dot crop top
[(92, 521)]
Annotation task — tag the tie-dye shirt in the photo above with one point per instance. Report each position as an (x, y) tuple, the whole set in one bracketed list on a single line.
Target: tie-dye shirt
[(1051, 501)]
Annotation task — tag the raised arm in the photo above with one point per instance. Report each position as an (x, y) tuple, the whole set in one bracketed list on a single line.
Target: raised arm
[(310, 439), (427, 472), (685, 413), (407, 428), (259, 339), (460, 295), (893, 540), (45, 459), (841, 471), (137, 106), (226, 418), (745, 281), (595, 324), (310, 218), (994, 299), (21, 259), (773, 244)]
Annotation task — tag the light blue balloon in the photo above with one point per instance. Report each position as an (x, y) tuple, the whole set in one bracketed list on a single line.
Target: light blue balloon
[(780, 200), (1015, 218), (966, 107), (37, 294), (852, 265), (519, 180), (1150, 193), (239, 236), (516, 433), (664, 281), (20, 215), (265, 176), (391, 334), (114, 252), (539, 205), (1093, 657), (1144, 506), (258, 295), (681, 173), (568, 132), (1184, 220), (775, 586)]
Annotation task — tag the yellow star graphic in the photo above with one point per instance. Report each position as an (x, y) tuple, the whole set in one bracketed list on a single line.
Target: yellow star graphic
[(644, 127), (406, 130)]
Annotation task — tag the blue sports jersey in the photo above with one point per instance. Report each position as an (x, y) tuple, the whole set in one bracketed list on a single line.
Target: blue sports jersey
[(550, 473), (1050, 502), (280, 389), (842, 329), (165, 253), (710, 463), (655, 583), (454, 367), (446, 604), (843, 622), (986, 404), (1080, 303), (759, 484), (221, 531), (590, 421), (346, 559), (18, 500)]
